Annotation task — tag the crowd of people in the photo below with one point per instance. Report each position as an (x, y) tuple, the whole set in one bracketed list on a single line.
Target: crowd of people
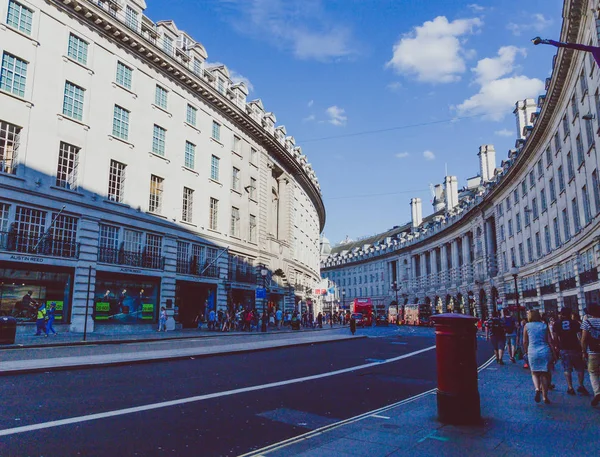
[(542, 341), (244, 319)]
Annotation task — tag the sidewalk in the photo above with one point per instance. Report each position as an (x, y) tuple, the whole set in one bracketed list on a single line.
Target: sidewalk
[(513, 425), (65, 338), (69, 356)]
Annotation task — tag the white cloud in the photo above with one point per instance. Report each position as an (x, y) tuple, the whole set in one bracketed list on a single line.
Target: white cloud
[(489, 69), (310, 118), (475, 7), (504, 132), (337, 116), (537, 23), (499, 86), (428, 155), (402, 155), (300, 26), (311, 103), (233, 75), (394, 86), (434, 52)]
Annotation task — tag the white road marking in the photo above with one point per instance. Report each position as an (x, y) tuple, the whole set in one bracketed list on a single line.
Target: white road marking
[(380, 417), (308, 435), (182, 401)]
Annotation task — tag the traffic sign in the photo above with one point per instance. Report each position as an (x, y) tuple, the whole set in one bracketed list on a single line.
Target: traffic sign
[(261, 292)]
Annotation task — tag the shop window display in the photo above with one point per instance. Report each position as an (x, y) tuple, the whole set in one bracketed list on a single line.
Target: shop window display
[(125, 301), (23, 291)]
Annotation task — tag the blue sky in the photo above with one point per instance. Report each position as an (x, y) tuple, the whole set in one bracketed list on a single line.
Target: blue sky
[(331, 70)]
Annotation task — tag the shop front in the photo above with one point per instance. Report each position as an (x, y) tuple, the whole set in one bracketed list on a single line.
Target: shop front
[(191, 299), (243, 296), (126, 299), (551, 306), (570, 301), (23, 288), (592, 297)]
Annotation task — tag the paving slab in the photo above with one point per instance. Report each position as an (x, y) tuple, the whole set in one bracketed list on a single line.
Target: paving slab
[(512, 424)]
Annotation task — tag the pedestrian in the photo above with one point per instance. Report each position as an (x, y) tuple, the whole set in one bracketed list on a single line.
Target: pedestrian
[(567, 344), (536, 341), (590, 345), (330, 321), (263, 321), (510, 328), (320, 320), (199, 319), (51, 314), (162, 319), (352, 325), (279, 318), (211, 319), (41, 320), (520, 331), (495, 333)]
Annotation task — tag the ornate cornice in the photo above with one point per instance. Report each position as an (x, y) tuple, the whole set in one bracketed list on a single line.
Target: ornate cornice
[(108, 26)]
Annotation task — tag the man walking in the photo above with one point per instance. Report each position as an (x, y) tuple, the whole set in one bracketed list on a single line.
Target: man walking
[(510, 327), (568, 346), (278, 318), (494, 332), (590, 344)]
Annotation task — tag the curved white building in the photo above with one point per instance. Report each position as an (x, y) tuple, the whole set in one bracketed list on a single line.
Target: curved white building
[(539, 211), (133, 176)]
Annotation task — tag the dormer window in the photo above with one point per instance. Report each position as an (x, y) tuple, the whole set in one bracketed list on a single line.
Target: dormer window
[(221, 85), (168, 45), (197, 66), (131, 18)]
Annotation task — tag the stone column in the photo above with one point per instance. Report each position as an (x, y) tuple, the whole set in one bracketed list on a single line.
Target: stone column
[(413, 266), (489, 246), (424, 278), (83, 281), (455, 264), (466, 268), (433, 263), (444, 258), (167, 282)]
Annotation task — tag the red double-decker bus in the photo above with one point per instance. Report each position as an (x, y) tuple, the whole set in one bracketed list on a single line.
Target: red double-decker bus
[(364, 307)]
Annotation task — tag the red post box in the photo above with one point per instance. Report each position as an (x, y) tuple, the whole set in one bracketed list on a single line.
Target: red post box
[(457, 392)]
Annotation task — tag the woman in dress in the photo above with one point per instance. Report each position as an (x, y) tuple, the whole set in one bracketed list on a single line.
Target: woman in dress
[(536, 344)]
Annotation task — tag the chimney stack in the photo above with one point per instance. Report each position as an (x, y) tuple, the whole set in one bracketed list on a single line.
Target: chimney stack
[(451, 190), (416, 212), (487, 162), (438, 198), (523, 111)]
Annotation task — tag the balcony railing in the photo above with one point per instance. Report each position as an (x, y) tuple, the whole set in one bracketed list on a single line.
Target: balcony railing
[(237, 275), (193, 267), (129, 258), (530, 293), (567, 284), (27, 244), (588, 276), (547, 289)]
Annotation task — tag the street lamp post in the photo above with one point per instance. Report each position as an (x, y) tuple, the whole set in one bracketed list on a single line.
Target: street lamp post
[(264, 272), (396, 288), (514, 271)]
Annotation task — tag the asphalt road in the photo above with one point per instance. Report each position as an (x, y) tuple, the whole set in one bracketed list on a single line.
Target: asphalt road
[(225, 424)]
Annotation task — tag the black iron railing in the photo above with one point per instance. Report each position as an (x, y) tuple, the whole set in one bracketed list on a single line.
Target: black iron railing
[(530, 293), (238, 275), (129, 258), (567, 284), (38, 245), (588, 276), (548, 289), (192, 267)]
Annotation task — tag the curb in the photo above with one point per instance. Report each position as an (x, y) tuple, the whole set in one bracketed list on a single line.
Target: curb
[(167, 358), (17, 346)]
